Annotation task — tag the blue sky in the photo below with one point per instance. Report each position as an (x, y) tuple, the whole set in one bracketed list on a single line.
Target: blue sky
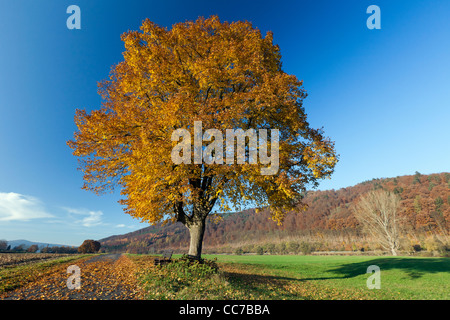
[(382, 95)]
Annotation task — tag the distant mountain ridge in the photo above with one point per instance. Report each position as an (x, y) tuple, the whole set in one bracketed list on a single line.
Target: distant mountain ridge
[(425, 210), (27, 244)]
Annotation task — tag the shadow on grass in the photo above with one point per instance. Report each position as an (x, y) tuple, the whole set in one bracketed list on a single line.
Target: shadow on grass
[(413, 267), (261, 286)]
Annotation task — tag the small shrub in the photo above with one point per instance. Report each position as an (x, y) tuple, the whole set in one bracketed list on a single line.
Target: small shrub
[(239, 251), (306, 247), (282, 248), (183, 278), (432, 244), (260, 250), (248, 248), (270, 247), (444, 250), (293, 247)]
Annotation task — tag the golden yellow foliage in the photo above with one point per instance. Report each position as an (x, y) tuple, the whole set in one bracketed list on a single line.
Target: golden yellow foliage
[(226, 75)]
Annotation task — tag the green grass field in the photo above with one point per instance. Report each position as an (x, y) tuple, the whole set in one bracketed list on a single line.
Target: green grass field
[(342, 277)]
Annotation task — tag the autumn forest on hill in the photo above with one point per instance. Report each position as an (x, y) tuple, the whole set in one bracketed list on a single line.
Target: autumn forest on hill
[(327, 225)]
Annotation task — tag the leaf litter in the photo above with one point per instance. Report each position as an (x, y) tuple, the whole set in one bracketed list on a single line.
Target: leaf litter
[(109, 277)]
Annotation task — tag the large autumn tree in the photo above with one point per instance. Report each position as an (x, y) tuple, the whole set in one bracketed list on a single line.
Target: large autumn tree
[(226, 75)]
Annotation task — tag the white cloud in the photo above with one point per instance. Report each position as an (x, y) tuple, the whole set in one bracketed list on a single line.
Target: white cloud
[(121, 225), (92, 218), (15, 206)]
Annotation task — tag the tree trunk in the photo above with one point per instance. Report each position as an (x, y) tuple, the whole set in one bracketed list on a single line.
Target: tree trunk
[(393, 250), (196, 231)]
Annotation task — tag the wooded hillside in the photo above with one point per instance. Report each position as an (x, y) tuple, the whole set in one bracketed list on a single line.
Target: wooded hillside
[(328, 222)]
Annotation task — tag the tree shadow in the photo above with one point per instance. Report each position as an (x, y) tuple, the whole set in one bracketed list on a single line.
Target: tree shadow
[(413, 267), (255, 277), (258, 284)]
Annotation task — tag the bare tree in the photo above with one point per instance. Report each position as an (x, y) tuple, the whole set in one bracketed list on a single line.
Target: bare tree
[(377, 212)]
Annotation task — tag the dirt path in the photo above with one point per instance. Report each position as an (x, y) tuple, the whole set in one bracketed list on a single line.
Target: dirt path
[(104, 277)]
